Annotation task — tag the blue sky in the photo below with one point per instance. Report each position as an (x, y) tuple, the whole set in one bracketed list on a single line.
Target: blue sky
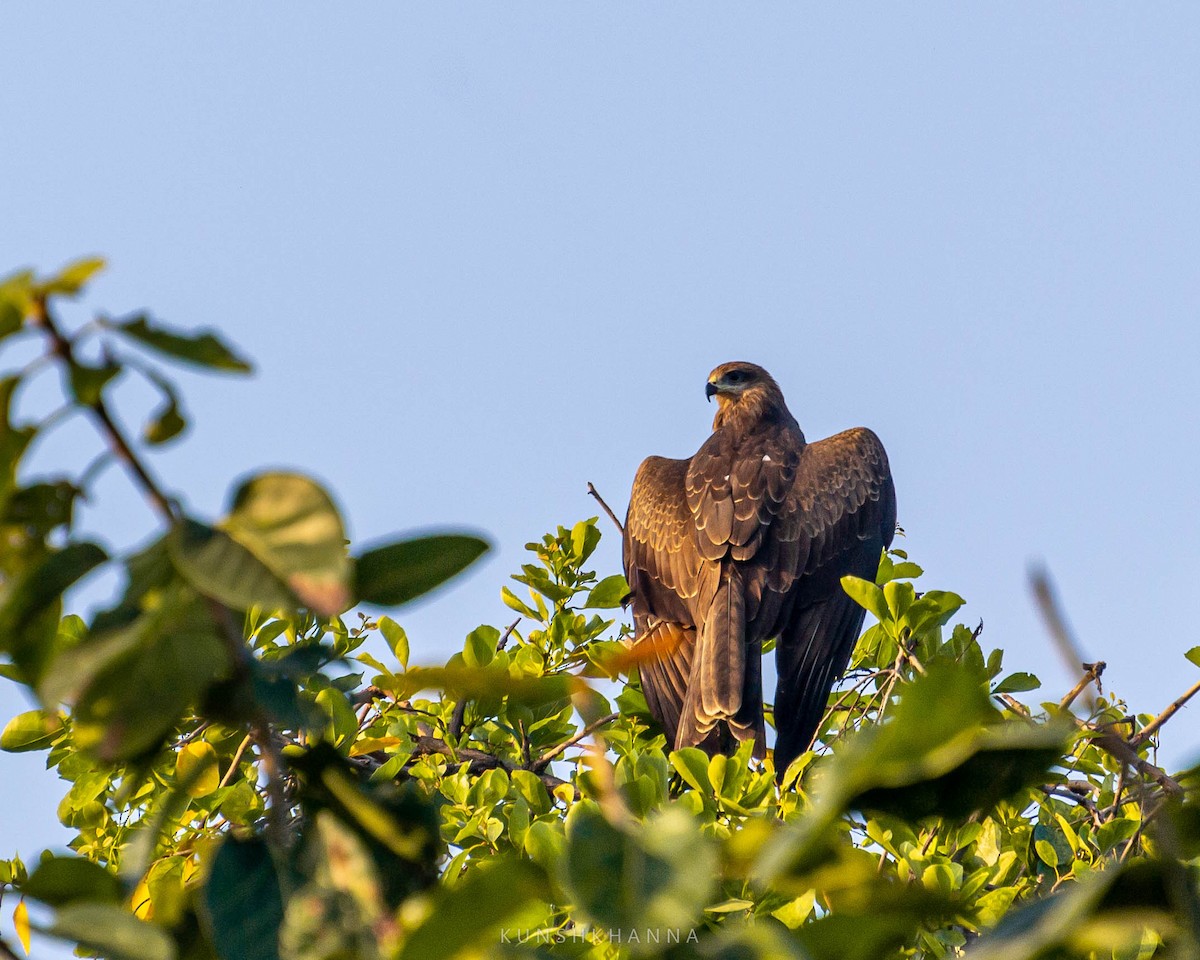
[(486, 254)]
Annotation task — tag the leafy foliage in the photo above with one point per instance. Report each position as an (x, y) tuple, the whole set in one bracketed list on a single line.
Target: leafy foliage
[(250, 775)]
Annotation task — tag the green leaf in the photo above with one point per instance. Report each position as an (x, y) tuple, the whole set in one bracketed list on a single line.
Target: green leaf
[(396, 639), (282, 546), (1017, 683), (243, 901), (608, 593), (692, 764), (112, 932), (653, 877), (32, 730), (398, 572), (868, 596), (222, 568), (292, 526), (72, 278), (33, 603), (167, 422), (471, 911), (1194, 655), (203, 348), (480, 647), (62, 880), (88, 382)]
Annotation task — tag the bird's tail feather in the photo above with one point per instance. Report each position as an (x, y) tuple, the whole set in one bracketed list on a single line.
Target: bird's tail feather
[(724, 684)]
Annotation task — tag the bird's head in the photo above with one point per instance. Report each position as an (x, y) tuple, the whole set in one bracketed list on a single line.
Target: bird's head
[(743, 390)]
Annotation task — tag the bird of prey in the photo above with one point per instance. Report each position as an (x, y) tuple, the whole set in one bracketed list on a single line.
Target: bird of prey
[(749, 540)]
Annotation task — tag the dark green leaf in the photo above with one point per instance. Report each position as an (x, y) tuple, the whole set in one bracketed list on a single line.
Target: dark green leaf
[(396, 573), (243, 901), (167, 422), (33, 603), (88, 382), (61, 880), (222, 568), (202, 348)]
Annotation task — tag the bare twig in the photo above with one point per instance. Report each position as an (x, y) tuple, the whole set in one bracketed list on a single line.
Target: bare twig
[(454, 729), (1149, 729), (543, 761), (607, 509), (1092, 672), (233, 764), (99, 410), (508, 632)]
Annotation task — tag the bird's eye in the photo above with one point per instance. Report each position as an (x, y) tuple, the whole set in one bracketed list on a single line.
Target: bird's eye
[(736, 376)]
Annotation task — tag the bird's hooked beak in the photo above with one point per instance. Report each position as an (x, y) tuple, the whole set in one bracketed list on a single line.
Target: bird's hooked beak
[(710, 391)]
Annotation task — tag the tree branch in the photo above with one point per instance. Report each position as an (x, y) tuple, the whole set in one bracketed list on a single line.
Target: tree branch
[(607, 509), (543, 761), (1091, 675), (479, 760), (1149, 729), (117, 442)]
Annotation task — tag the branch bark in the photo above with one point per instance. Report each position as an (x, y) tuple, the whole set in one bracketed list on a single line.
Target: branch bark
[(607, 509)]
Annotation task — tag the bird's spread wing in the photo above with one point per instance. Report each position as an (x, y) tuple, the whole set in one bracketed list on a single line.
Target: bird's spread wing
[(845, 508), (666, 577)]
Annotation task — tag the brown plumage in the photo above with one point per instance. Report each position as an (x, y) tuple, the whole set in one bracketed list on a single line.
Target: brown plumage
[(746, 541)]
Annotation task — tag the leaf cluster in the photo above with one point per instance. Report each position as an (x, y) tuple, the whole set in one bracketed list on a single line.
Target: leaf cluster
[(254, 771)]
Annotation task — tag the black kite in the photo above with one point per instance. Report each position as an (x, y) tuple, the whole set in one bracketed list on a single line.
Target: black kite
[(746, 541)]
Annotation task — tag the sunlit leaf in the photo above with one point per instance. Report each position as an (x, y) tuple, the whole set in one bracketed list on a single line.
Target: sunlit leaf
[(32, 730), (72, 278)]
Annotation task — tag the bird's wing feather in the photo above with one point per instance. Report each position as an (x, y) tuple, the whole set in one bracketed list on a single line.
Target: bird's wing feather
[(666, 577), (845, 514)]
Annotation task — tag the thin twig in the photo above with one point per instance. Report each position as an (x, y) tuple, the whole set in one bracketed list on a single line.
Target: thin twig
[(1149, 729), (607, 509), (508, 632), (543, 761), (1092, 672), (108, 426), (233, 764)]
